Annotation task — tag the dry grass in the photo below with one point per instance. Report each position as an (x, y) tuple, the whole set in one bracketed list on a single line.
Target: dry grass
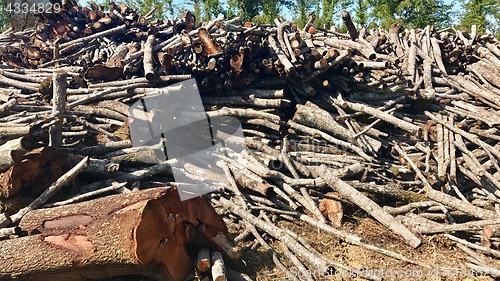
[(436, 251)]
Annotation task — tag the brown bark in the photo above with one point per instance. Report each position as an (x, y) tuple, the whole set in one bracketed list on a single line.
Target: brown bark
[(39, 169), (144, 232)]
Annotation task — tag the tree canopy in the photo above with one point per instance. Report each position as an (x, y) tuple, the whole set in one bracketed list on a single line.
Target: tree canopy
[(485, 14)]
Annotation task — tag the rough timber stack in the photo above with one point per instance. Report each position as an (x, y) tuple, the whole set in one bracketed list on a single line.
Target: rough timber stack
[(410, 114)]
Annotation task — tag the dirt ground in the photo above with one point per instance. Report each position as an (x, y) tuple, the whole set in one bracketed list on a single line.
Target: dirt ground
[(446, 261)]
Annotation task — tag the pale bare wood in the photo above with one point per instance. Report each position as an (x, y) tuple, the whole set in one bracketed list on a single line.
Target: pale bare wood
[(148, 58), (409, 127), (58, 107), (218, 267)]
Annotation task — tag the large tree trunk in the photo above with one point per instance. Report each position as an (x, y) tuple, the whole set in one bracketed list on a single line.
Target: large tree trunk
[(147, 232)]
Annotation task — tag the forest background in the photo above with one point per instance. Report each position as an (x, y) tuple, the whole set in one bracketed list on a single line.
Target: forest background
[(485, 14)]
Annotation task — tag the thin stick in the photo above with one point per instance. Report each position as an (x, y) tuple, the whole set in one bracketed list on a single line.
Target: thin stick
[(486, 250), (87, 195)]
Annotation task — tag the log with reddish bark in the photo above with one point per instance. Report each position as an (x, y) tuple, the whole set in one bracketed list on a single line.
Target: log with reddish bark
[(149, 233)]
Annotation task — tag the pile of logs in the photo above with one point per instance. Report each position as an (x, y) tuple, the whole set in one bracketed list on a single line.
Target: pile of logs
[(328, 118)]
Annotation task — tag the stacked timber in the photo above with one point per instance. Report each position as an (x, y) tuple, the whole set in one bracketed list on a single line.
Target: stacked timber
[(327, 118)]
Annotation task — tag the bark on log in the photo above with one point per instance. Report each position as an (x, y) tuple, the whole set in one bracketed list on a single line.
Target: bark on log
[(146, 232), (409, 127)]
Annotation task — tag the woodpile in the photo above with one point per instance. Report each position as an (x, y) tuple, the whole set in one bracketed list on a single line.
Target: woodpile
[(328, 119)]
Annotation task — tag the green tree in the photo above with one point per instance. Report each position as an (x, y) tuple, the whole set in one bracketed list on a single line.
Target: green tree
[(4, 16), (361, 13), (211, 9), (233, 9), (196, 4), (302, 10), (325, 10), (269, 10), (411, 13), (483, 13), (245, 9)]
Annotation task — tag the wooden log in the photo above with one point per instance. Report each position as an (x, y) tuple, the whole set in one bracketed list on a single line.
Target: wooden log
[(7, 133), (145, 232), (289, 68), (343, 144), (148, 58), (218, 267), (52, 189), (207, 40), (432, 228), (457, 204), (58, 108), (10, 102), (475, 90), (11, 152), (78, 42), (312, 115), (353, 33), (491, 74), (203, 262), (409, 127), (368, 205), (276, 232)]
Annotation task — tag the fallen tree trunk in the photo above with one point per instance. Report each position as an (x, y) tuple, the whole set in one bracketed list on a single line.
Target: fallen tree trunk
[(146, 232)]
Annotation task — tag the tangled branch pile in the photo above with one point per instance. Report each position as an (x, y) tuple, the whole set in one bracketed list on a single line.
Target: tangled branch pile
[(327, 117)]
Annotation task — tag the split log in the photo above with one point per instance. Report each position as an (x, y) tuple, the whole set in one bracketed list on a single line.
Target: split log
[(146, 233)]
